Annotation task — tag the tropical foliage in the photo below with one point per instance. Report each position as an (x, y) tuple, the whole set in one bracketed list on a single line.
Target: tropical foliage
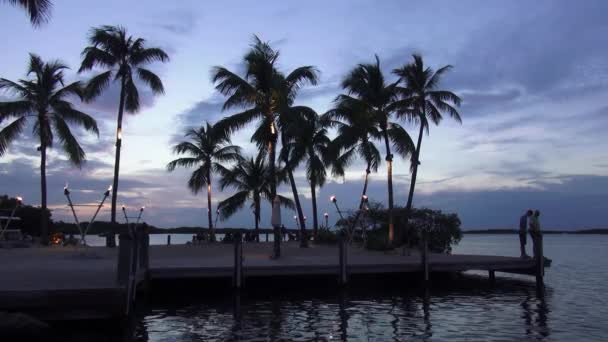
[(251, 180), (44, 98), (422, 102), (368, 94), (124, 58), (265, 95), (39, 11), (206, 149)]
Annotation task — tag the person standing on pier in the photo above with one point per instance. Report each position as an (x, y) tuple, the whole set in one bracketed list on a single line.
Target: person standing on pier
[(534, 229), (523, 225)]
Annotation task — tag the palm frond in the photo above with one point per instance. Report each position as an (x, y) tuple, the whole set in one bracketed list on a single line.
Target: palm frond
[(39, 11), (97, 85), (131, 96), (152, 80), (15, 109), (147, 55), (9, 133), (185, 162), (93, 56), (232, 204), (401, 140), (70, 145), (71, 115)]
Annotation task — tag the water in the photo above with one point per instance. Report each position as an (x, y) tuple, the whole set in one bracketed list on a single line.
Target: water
[(573, 308), (161, 239)]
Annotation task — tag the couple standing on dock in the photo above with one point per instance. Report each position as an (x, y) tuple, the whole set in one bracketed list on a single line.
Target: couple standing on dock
[(528, 222)]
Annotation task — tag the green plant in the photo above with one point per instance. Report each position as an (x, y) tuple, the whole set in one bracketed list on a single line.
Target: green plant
[(326, 236)]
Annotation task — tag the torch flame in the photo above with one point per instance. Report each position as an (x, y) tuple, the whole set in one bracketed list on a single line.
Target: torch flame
[(332, 198), (110, 188)]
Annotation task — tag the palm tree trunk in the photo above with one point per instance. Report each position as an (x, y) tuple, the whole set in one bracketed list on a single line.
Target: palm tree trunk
[(315, 223), (121, 108), (367, 172), (296, 198), (44, 228), (209, 213), (256, 214), (410, 197), (389, 169)]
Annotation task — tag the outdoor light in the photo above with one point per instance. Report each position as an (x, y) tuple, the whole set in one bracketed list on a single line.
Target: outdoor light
[(119, 134), (19, 200), (326, 220), (295, 217), (333, 199), (364, 197), (107, 193), (142, 208), (326, 215), (66, 191)]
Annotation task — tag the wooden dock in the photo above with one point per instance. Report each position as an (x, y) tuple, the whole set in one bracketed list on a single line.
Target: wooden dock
[(98, 282)]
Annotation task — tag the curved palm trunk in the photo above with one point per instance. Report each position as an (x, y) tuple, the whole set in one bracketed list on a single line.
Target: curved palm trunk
[(356, 219), (410, 197), (367, 172), (296, 198), (121, 108), (389, 169), (44, 228), (209, 211), (315, 223), (256, 202)]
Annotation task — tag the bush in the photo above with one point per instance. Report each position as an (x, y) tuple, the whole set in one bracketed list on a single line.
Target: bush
[(444, 229), (326, 236), (30, 217)]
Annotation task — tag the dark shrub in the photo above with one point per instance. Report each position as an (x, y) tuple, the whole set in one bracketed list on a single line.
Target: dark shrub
[(326, 236)]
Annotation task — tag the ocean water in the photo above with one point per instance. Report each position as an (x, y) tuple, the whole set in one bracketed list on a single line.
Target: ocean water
[(574, 306)]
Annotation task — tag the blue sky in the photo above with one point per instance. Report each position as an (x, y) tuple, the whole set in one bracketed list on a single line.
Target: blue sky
[(533, 76)]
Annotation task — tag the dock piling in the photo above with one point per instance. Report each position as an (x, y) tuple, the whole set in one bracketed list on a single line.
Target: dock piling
[(540, 260), (237, 280), (168, 240), (124, 258), (492, 276), (424, 256), (342, 249)]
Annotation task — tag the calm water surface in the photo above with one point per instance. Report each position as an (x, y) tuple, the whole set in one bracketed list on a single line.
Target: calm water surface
[(573, 308)]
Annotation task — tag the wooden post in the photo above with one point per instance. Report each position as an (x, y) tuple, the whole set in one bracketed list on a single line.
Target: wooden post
[(424, 256), (342, 250), (237, 278), (492, 277), (168, 240), (124, 258), (266, 236), (540, 260)]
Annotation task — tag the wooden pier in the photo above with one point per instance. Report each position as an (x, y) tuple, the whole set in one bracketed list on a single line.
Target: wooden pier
[(97, 282)]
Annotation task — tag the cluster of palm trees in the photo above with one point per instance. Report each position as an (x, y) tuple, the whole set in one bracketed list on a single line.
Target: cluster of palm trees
[(368, 112), (46, 99), (287, 135)]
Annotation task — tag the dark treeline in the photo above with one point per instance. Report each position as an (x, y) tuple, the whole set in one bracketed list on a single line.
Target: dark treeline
[(516, 231)]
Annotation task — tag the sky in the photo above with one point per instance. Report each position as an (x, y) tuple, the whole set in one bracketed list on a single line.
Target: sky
[(533, 77)]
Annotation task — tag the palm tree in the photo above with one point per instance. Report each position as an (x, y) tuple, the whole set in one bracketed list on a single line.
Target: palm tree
[(309, 142), (45, 98), (206, 149), (355, 134), (111, 48), (38, 10), (264, 93), (251, 179), (368, 92), (421, 101)]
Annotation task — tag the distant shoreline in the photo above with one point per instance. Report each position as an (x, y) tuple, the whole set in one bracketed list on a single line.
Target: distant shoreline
[(601, 231)]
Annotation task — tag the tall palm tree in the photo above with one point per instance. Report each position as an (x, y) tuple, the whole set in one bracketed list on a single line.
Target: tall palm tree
[(124, 57), (46, 99), (39, 11), (355, 133), (422, 101), (207, 148), (368, 92), (264, 93), (309, 143), (251, 179)]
